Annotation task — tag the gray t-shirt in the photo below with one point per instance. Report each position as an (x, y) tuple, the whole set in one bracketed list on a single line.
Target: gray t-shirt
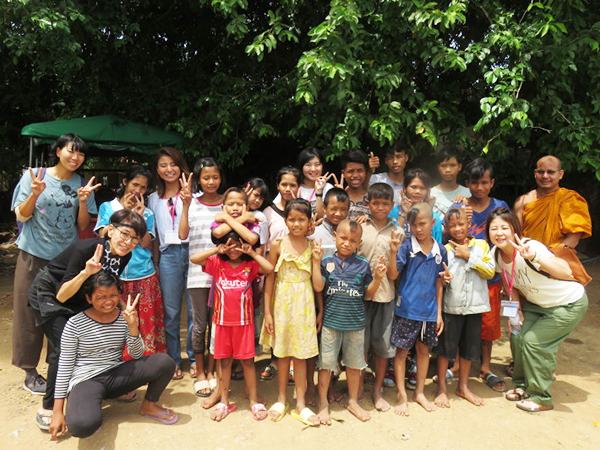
[(385, 178)]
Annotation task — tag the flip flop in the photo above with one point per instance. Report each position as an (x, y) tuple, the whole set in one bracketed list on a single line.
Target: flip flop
[(533, 407), (39, 420), (212, 383), (178, 374), (279, 408), (303, 417), (256, 408), (223, 410), (193, 371), (201, 385), (492, 381), (516, 395), (159, 418), (449, 377)]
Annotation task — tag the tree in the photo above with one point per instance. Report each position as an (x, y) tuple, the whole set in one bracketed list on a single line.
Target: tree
[(510, 79)]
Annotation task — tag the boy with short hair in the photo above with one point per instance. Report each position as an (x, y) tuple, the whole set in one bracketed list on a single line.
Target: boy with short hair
[(346, 280), (421, 261), (377, 235), (480, 180), (354, 171), (337, 204), (449, 165), (395, 160)]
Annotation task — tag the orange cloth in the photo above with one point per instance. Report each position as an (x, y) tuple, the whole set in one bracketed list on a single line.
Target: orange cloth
[(550, 217)]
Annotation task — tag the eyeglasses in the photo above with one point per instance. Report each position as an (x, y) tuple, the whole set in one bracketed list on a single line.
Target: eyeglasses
[(549, 172), (125, 236)]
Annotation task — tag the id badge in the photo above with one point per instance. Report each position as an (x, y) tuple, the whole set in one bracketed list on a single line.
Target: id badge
[(172, 237), (510, 308)]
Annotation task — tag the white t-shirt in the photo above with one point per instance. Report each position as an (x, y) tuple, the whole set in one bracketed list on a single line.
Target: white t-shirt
[(385, 178), (200, 217), (443, 200), (536, 287), (264, 226), (163, 220)]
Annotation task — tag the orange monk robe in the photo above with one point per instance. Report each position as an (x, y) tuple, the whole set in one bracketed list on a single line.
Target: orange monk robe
[(550, 217)]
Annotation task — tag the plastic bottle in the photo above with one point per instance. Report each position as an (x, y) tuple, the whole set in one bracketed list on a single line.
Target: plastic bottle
[(515, 325)]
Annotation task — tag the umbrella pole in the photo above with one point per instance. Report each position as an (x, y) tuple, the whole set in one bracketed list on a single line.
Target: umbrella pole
[(30, 151)]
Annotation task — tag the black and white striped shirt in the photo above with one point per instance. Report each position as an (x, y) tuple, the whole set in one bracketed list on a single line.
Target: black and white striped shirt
[(89, 348)]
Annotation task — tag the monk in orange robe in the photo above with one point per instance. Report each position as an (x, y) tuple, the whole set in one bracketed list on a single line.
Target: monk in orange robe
[(551, 214)]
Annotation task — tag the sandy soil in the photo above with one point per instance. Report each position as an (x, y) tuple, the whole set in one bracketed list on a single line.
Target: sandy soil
[(496, 425)]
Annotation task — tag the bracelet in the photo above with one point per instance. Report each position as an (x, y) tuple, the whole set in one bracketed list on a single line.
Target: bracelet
[(319, 195), (401, 214), (535, 259)]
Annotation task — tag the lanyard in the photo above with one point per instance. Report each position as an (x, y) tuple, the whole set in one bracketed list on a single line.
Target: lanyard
[(312, 196), (512, 277), (173, 208)]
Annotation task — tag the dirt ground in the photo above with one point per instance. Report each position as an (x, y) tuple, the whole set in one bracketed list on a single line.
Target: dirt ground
[(574, 424)]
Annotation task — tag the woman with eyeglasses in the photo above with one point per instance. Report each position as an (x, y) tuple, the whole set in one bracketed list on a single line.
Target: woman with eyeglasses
[(171, 254), (56, 292), (139, 276)]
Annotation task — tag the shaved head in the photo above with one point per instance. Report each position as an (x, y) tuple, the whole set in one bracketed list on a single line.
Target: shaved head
[(553, 160), (548, 174)]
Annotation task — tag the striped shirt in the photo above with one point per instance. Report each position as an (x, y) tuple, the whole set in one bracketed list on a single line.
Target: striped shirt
[(200, 216), (346, 281), (89, 348)]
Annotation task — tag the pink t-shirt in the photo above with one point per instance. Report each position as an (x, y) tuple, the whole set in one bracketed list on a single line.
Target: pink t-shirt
[(234, 304)]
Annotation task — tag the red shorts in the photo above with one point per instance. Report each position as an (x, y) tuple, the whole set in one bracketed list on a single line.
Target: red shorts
[(490, 321), (237, 341)]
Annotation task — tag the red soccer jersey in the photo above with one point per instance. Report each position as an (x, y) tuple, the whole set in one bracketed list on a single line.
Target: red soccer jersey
[(233, 291)]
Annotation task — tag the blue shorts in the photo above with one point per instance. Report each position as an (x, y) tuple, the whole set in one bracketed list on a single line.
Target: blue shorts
[(405, 333), (351, 344)]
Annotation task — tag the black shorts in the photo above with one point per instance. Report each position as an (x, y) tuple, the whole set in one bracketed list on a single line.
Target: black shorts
[(462, 334), (405, 333)]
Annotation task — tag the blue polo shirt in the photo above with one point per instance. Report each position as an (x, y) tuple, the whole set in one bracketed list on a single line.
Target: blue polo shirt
[(417, 298), (345, 283)]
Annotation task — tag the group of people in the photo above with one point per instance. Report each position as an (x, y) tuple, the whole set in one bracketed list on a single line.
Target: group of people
[(368, 270)]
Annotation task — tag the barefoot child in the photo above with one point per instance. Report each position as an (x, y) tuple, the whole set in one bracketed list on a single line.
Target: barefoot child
[(234, 270), (346, 281), (465, 299), (91, 366), (377, 234), (290, 326), (418, 316)]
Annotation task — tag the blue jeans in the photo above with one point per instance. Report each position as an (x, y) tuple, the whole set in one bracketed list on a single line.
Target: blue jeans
[(173, 272)]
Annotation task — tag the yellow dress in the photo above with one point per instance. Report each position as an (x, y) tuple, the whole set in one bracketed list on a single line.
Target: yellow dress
[(294, 315)]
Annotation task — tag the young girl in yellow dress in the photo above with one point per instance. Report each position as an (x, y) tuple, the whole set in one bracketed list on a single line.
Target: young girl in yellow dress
[(290, 327)]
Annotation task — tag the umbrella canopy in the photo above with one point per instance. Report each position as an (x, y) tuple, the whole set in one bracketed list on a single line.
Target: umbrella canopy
[(106, 133)]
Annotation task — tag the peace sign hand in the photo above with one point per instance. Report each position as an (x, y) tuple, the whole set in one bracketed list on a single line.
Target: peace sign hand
[(92, 265), (317, 251), (373, 161), (139, 205), (461, 250), (338, 184), (37, 183), (395, 241), (321, 182), (523, 248), (381, 268), (405, 202), (446, 275), (86, 191), (248, 189), (186, 189), (224, 248), (313, 224), (130, 313)]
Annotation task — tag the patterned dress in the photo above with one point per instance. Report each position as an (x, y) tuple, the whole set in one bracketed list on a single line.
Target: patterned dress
[(294, 315)]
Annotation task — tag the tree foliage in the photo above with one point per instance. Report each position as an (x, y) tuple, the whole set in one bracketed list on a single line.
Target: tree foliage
[(510, 79)]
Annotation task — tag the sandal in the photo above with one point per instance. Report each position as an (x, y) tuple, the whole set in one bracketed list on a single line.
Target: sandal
[(493, 381), (303, 417), (159, 417), (193, 371), (39, 420), (516, 395), (531, 406), (178, 375), (510, 369), (268, 373), (280, 409), (256, 408), (130, 397), (449, 377), (237, 375), (201, 386), (223, 411), (389, 380)]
